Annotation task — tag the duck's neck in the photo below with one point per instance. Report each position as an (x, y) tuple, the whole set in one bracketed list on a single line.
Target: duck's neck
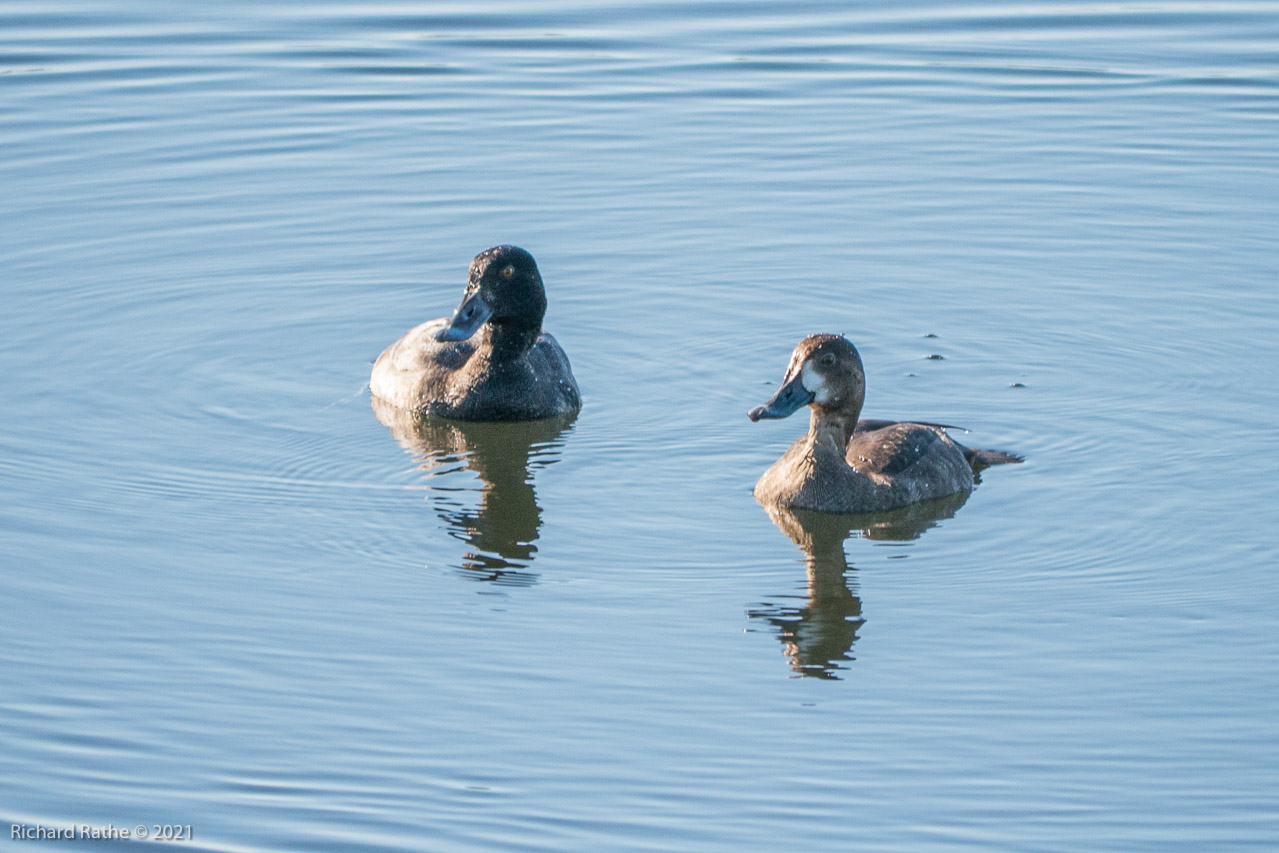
[(510, 339), (831, 430)]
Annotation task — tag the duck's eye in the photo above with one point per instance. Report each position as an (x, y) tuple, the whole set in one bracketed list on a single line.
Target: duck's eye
[(828, 359), (508, 271)]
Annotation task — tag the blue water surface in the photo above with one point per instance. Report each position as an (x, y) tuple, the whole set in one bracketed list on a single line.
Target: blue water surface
[(237, 600)]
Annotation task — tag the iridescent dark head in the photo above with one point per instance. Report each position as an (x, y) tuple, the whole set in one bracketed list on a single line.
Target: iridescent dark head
[(503, 288)]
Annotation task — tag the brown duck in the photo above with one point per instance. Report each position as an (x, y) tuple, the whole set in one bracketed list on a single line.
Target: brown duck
[(847, 465)]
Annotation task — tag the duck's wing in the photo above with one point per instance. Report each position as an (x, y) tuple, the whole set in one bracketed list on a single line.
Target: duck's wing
[(893, 448), (554, 365), (874, 423), (550, 350), (975, 456)]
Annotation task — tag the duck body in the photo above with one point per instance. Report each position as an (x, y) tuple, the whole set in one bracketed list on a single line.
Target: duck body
[(471, 380), (845, 465), (877, 469), (491, 361)]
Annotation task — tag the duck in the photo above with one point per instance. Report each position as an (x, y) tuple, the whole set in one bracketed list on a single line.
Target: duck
[(490, 361), (847, 465)]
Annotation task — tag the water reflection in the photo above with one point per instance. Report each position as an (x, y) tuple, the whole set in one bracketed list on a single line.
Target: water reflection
[(819, 635), (501, 532)]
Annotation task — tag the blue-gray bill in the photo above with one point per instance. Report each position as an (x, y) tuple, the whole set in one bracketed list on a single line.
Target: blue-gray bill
[(789, 398), (467, 319)]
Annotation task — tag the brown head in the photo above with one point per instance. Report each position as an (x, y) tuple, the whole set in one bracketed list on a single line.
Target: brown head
[(825, 372)]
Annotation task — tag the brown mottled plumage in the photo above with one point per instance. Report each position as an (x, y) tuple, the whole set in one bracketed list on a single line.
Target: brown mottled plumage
[(491, 361), (843, 465)]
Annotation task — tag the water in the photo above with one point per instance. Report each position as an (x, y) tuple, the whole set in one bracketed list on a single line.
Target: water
[(236, 600)]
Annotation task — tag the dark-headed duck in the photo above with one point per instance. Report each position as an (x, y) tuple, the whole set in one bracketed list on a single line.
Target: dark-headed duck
[(491, 361), (843, 465)]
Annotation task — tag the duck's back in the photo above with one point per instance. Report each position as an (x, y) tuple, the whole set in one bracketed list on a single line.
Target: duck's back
[(417, 368), (910, 462)]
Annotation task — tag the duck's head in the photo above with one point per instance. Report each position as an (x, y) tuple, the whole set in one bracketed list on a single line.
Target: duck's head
[(504, 287), (826, 373)]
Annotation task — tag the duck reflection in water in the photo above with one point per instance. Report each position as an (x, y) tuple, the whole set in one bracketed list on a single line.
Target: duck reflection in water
[(501, 532), (818, 636)]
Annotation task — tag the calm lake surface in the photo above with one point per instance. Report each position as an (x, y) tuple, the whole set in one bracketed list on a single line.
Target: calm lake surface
[(234, 598)]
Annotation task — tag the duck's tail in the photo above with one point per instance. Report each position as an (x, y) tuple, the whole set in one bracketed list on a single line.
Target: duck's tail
[(979, 458)]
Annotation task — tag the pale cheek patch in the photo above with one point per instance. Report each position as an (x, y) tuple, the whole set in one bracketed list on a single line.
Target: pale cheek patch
[(814, 384)]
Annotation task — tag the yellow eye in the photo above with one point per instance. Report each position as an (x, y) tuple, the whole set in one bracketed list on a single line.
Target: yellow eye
[(508, 271)]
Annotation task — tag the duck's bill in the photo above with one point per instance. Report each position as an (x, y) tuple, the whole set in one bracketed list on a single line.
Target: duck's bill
[(467, 319), (791, 397)]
